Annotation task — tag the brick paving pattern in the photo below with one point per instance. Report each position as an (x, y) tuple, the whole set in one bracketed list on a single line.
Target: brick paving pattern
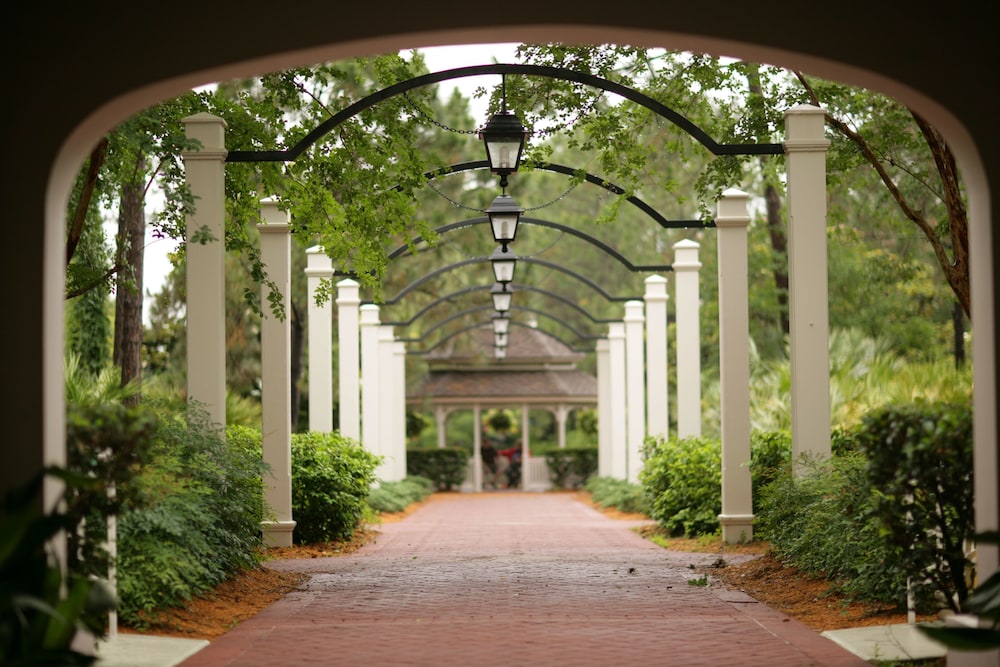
[(515, 579)]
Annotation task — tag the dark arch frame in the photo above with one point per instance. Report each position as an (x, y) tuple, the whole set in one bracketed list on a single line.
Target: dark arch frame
[(526, 70)]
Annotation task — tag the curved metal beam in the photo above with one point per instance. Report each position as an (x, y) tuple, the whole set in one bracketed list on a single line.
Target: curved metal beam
[(608, 250), (482, 326), (528, 260), (590, 178), (527, 70), (515, 287)]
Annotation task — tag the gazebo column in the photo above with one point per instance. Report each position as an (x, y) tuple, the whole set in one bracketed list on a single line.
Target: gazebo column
[(318, 269), (616, 353), (603, 408), (276, 376), (388, 419), (369, 325), (348, 337), (441, 418), (635, 393), (477, 448), (399, 365), (808, 309), (734, 364), (204, 172), (687, 308), (657, 411), (561, 413)]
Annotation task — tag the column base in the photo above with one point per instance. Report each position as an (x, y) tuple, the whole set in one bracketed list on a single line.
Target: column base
[(277, 533), (736, 528)]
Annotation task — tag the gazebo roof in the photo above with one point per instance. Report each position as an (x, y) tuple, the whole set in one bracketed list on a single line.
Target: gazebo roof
[(538, 368)]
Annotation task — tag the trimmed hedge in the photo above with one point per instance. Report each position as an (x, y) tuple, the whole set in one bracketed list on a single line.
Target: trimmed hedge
[(570, 467), (445, 467)]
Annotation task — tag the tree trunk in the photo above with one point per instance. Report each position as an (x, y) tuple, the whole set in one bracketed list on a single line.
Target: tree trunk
[(297, 349), (128, 292), (779, 246)]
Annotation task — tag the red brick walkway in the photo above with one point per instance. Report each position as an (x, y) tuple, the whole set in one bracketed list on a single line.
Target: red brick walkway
[(512, 579)]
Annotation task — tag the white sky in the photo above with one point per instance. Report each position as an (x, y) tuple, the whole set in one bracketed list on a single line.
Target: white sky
[(156, 263)]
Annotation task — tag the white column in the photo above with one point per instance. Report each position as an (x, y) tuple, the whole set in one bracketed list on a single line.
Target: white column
[(561, 412), (318, 269), (276, 375), (616, 354), (399, 364), (635, 391), (687, 308), (441, 417), (603, 408), (387, 387), (477, 448), (348, 337), (657, 410), (734, 364), (808, 311), (369, 325), (204, 171)]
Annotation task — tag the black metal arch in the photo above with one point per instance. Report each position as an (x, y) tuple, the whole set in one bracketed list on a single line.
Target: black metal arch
[(528, 260), (513, 288), (590, 178), (482, 325), (526, 70), (608, 250)]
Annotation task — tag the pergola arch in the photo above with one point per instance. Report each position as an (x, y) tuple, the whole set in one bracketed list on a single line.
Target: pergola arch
[(804, 125)]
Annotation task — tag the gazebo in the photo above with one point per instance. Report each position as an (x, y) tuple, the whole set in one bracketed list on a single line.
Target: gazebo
[(538, 372)]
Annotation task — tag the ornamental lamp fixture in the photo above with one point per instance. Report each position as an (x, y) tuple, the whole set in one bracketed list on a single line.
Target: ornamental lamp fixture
[(504, 214), (501, 325), (504, 137), (500, 340), (501, 297), (503, 265), (500, 353)]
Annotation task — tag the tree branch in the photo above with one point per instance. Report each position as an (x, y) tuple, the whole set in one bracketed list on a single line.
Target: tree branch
[(86, 194)]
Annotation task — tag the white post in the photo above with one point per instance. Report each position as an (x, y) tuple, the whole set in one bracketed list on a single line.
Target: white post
[(808, 310), (734, 364), (318, 269), (276, 375), (399, 363), (635, 392), (477, 448), (441, 418), (561, 413), (348, 337), (658, 409), (369, 325), (616, 353), (688, 336), (387, 385), (204, 170), (603, 408)]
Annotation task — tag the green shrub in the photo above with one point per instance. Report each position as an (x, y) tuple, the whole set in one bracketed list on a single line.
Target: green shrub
[(331, 478), (397, 496), (618, 494), (682, 480), (920, 473), (192, 520), (821, 523), (445, 467), (570, 467)]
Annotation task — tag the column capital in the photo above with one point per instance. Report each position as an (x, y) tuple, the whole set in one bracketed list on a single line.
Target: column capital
[(633, 311), (686, 256), (210, 131), (318, 263), (369, 314), (732, 209), (348, 293), (656, 289), (804, 128)]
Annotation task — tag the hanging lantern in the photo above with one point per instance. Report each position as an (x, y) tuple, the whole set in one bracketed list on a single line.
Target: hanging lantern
[(504, 214), (501, 297), (501, 325), (504, 137), (503, 265)]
